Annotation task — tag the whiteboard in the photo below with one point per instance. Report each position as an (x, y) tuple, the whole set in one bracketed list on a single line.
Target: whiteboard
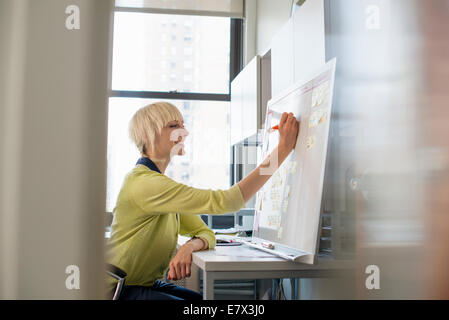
[(288, 206)]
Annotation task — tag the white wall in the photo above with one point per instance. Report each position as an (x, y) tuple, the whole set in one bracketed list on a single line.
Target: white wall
[(53, 122), (250, 25), (271, 17)]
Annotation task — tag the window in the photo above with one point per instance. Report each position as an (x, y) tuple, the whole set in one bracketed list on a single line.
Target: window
[(188, 78), (203, 169), (138, 79), (138, 47)]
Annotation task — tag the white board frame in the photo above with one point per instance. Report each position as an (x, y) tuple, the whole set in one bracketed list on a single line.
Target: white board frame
[(281, 249)]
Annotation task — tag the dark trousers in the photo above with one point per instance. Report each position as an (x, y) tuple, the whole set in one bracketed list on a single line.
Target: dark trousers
[(159, 291)]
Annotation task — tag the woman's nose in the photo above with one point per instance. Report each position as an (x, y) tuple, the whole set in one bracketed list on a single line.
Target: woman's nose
[(183, 133), (178, 135)]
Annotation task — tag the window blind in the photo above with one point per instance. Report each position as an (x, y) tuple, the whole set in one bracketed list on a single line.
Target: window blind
[(223, 8)]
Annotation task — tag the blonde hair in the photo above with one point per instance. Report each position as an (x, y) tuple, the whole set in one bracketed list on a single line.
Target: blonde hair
[(150, 120)]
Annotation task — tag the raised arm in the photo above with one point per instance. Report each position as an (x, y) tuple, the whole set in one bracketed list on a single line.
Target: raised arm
[(157, 194), (288, 130)]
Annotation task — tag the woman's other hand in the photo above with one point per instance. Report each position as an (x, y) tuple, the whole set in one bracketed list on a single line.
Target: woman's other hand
[(288, 131), (181, 263)]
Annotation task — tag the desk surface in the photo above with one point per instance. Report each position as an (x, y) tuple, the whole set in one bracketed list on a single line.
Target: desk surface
[(244, 262), (245, 258)]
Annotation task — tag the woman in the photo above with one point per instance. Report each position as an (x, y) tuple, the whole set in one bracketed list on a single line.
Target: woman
[(152, 209)]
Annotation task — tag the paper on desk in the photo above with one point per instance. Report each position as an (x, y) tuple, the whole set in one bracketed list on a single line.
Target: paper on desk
[(229, 230), (225, 231), (243, 252), (226, 237)]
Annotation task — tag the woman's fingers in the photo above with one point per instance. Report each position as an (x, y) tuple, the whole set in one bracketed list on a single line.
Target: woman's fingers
[(187, 270), (288, 131), (175, 271), (291, 119), (183, 271), (170, 275), (179, 270), (283, 119), (181, 263)]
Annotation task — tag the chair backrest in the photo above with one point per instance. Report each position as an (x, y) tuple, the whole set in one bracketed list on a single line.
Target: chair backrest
[(118, 274)]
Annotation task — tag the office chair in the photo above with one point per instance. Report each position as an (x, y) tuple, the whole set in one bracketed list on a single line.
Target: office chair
[(118, 274)]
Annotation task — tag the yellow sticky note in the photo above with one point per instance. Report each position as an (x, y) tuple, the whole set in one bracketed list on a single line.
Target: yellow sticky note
[(323, 118), (310, 142), (314, 120), (319, 94), (317, 117)]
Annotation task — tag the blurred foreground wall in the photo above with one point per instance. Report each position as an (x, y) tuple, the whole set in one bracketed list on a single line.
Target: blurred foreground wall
[(402, 151), (434, 145), (388, 162), (53, 128)]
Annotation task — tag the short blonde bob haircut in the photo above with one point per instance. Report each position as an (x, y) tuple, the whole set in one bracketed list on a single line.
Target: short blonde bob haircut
[(149, 121)]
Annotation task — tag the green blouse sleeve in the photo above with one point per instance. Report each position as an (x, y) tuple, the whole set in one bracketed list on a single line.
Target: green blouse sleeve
[(155, 193), (194, 226)]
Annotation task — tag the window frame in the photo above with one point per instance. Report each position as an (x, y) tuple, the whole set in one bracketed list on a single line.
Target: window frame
[(235, 66)]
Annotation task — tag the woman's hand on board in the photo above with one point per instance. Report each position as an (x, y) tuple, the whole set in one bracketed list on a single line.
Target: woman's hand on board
[(288, 131)]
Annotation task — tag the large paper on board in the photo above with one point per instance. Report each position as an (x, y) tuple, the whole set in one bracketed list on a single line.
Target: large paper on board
[(288, 207)]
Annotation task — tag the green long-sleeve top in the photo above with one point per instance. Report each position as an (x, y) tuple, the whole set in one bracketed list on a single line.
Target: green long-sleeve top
[(151, 211)]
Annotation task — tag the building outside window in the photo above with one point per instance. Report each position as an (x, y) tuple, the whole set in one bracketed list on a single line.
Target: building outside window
[(139, 77)]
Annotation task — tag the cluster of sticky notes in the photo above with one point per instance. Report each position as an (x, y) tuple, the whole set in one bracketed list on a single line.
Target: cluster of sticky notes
[(310, 142), (317, 117), (274, 220), (275, 205), (292, 167), (275, 194), (319, 94), (276, 180)]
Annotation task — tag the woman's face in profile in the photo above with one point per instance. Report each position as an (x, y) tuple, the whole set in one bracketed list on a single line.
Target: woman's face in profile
[(171, 140)]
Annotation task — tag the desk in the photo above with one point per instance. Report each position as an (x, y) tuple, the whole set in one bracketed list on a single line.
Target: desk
[(244, 262)]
